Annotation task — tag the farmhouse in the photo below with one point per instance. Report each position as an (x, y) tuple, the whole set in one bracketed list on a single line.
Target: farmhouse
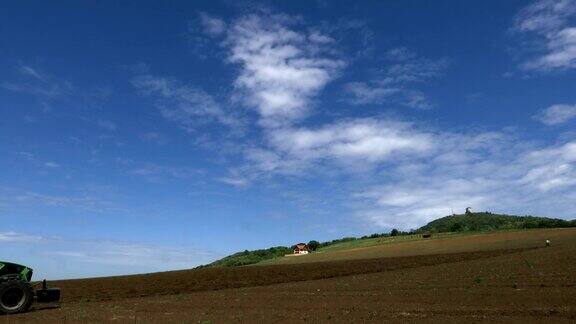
[(301, 248)]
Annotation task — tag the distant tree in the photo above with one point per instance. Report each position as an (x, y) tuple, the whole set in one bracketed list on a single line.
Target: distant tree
[(313, 245), (456, 227), (394, 232)]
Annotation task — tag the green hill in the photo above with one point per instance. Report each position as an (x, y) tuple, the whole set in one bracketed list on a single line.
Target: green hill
[(486, 221), (473, 222), (250, 257)]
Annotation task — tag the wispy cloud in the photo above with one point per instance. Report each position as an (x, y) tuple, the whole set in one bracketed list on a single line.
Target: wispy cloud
[(37, 162), (12, 198), (190, 107), (154, 137), (12, 237), (212, 25), (89, 203), (363, 144), (29, 71), (155, 172), (369, 93), (551, 23), (497, 181), (52, 165), (43, 86), (49, 89), (551, 168), (236, 181), (396, 173), (400, 174), (137, 256), (411, 204), (556, 114), (397, 82), (355, 34), (366, 140), (281, 68)]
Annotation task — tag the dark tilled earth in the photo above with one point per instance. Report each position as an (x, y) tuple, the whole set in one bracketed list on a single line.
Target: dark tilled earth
[(524, 284)]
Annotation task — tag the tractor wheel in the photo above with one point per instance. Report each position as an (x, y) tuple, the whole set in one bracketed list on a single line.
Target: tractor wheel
[(16, 296)]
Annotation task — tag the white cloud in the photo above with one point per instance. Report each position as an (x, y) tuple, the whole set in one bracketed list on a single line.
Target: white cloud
[(416, 99), (400, 54), (13, 237), (156, 172), (365, 140), (543, 16), (561, 52), (317, 37), (212, 25), (411, 204), (351, 146), (551, 168), (30, 71), (552, 23), (398, 81), (48, 89), (41, 85), (368, 93), (235, 181), (188, 106), (414, 69), (399, 174), (52, 165), (556, 114), (362, 145), (396, 174), (519, 180), (281, 68)]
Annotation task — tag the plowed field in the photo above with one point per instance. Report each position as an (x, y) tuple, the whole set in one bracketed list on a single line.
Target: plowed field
[(504, 277)]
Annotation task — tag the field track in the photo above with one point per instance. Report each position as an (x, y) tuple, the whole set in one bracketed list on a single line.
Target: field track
[(526, 283)]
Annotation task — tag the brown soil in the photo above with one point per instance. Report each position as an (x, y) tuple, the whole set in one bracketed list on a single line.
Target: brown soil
[(529, 283)]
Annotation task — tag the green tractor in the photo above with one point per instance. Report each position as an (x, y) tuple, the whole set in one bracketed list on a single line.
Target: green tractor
[(17, 293)]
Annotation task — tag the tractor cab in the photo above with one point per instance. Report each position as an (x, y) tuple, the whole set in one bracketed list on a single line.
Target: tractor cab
[(13, 269)]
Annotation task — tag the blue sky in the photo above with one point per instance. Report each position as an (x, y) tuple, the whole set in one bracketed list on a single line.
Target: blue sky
[(142, 136)]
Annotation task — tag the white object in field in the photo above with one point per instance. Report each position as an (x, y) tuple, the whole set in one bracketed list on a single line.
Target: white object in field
[(547, 242)]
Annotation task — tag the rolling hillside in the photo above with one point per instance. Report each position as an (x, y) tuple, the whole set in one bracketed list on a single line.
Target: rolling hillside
[(445, 227)]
